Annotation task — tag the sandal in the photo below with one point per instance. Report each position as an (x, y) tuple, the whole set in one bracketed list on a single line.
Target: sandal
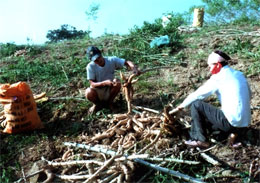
[(194, 143)]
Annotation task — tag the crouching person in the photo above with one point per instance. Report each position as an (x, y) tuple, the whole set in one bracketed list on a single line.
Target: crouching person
[(234, 94), (104, 87)]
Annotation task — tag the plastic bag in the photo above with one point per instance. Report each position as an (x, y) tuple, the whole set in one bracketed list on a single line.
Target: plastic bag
[(20, 110), (159, 41)]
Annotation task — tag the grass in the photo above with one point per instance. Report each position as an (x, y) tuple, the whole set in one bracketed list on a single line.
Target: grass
[(11, 147), (59, 69), (193, 171)]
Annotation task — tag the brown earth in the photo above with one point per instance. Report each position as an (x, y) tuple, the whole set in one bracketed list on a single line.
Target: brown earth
[(241, 160)]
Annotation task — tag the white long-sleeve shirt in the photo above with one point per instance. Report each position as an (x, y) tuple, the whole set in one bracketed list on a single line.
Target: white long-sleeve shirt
[(233, 92)]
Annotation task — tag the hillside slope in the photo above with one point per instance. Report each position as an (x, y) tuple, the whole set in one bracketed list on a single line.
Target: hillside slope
[(63, 77)]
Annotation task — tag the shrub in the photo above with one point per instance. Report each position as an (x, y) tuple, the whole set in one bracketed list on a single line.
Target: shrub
[(9, 49), (66, 32), (136, 45)]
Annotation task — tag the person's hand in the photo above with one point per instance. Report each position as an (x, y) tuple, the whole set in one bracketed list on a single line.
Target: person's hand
[(115, 82), (107, 83), (136, 71), (175, 110), (178, 108)]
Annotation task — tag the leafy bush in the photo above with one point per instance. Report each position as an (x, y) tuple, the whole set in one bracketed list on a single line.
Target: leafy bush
[(136, 45), (9, 49), (35, 50), (66, 32)]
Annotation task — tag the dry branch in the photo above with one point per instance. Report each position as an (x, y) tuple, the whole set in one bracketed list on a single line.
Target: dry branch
[(221, 176), (49, 174), (205, 150), (172, 160), (173, 111), (29, 176), (110, 177), (208, 158), (107, 163), (71, 163), (150, 171), (120, 178), (72, 177), (153, 166), (171, 172), (147, 109), (132, 157), (91, 170), (92, 148)]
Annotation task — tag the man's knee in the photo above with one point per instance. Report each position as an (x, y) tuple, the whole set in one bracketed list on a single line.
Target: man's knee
[(116, 88), (196, 104), (87, 92), (90, 94), (118, 85)]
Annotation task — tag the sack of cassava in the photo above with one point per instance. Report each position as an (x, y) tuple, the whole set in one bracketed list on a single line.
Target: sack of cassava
[(20, 110)]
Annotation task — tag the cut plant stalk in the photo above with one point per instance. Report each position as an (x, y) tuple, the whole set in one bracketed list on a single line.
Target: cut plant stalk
[(156, 167)]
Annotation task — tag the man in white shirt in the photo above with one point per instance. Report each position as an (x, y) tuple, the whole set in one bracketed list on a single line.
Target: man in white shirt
[(234, 94), (104, 87)]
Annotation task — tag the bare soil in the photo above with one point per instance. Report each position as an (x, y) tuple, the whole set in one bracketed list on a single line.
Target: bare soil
[(244, 159)]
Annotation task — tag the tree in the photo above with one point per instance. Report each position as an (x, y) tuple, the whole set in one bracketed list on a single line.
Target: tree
[(232, 10), (92, 12), (66, 32)]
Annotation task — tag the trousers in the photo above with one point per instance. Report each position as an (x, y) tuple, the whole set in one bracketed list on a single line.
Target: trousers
[(206, 116)]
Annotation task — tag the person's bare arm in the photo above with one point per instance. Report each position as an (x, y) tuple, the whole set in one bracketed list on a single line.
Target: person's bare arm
[(94, 84), (131, 66)]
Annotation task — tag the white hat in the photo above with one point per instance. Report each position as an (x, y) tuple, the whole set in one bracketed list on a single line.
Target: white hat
[(215, 58)]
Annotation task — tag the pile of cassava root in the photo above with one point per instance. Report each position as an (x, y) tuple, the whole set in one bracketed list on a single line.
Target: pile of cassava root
[(126, 131), (124, 140), (129, 138)]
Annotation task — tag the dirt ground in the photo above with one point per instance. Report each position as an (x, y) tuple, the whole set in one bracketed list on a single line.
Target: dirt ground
[(244, 159), (235, 161)]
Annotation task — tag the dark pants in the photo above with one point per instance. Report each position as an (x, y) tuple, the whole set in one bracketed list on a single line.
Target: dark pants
[(206, 116)]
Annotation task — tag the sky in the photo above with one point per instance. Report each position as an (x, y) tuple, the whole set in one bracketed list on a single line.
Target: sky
[(28, 21)]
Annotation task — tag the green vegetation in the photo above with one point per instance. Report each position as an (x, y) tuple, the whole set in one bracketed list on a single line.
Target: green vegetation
[(9, 49), (10, 150), (59, 69), (66, 32), (139, 38)]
